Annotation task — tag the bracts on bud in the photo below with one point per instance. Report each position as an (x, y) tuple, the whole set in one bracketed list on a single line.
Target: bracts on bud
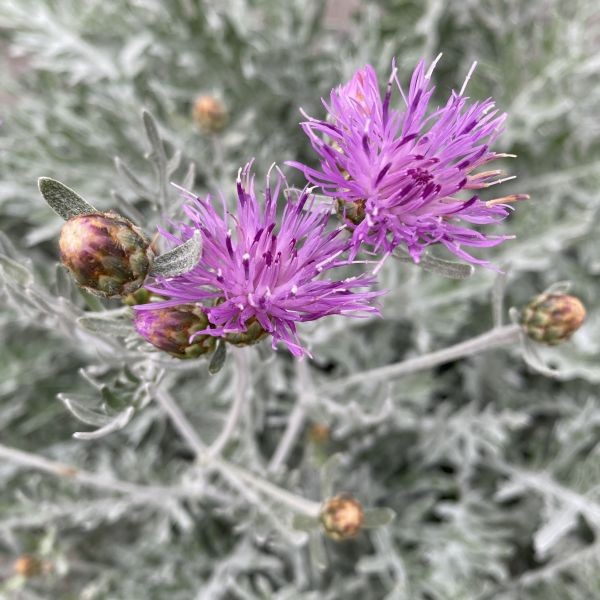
[(106, 253), (342, 517), (552, 318), (171, 328)]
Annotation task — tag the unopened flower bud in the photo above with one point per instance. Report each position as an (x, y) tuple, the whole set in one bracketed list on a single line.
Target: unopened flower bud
[(319, 434), (170, 329), (105, 253), (342, 517), (28, 566), (254, 333), (141, 296), (209, 114), (552, 318)]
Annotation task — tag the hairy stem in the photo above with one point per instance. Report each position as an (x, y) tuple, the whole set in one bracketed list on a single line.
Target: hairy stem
[(296, 420), (499, 336), (232, 472), (241, 385), (152, 494)]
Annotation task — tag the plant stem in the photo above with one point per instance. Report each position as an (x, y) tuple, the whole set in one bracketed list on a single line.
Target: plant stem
[(296, 419), (241, 384), (180, 422), (227, 469), (296, 503), (499, 336), (153, 494)]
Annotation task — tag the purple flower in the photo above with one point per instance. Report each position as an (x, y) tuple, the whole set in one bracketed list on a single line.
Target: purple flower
[(254, 271), (395, 173)]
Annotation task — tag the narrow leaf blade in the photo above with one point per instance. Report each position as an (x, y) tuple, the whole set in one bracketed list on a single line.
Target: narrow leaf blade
[(63, 200), (378, 517), (115, 424), (218, 358), (180, 260)]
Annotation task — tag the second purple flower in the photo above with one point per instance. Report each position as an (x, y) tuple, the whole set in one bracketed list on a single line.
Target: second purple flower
[(395, 172)]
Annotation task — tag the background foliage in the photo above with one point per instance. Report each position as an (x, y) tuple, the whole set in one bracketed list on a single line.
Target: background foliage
[(493, 470)]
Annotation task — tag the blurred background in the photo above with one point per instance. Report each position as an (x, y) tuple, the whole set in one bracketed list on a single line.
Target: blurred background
[(493, 470)]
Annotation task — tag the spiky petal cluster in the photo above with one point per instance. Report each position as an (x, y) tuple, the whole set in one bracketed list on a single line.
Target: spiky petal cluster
[(396, 172), (254, 270)]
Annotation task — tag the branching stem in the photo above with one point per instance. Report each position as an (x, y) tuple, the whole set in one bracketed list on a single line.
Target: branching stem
[(497, 337)]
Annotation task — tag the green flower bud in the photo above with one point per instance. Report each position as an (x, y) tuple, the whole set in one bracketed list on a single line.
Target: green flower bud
[(170, 329), (105, 253), (552, 318), (254, 334), (342, 517)]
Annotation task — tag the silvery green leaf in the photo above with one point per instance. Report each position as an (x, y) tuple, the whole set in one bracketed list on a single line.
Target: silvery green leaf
[(83, 413), (318, 554), (190, 177), (498, 292), (328, 474), (174, 163), (18, 273), (439, 266), (560, 287), (63, 200), (116, 327), (156, 144), (127, 174), (115, 424), (218, 358), (534, 360), (180, 259), (63, 282), (303, 522), (378, 517)]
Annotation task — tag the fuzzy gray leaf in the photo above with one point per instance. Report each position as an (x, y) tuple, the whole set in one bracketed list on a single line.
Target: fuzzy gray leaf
[(63, 200), (114, 327), (378, 517), (445, 268), (115, 424), (83, 413), (218, 358), (180, 260), (21, 275)]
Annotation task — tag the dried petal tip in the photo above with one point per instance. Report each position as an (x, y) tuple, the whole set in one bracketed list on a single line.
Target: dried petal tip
[(552, 318), (342, 517), (209, 114), (28, 566), (170, 330), (105, 253)]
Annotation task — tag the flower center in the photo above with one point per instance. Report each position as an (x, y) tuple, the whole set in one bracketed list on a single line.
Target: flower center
[(420, 176)]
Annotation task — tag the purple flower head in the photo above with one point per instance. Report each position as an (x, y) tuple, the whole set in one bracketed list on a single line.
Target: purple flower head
[(395, 172), (255, 271)]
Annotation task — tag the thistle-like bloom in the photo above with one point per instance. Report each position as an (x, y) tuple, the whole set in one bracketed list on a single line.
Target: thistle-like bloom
[(253, 270), (395, 173)]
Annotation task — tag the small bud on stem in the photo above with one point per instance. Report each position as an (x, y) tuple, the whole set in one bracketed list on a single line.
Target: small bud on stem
[(170, 329), (552, 318), (209, 114), (342, 517)]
